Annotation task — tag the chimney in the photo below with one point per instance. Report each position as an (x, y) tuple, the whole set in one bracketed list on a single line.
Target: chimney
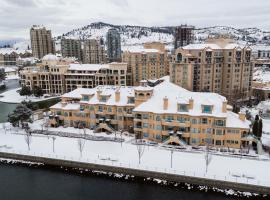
[(224, 106), (165, 103), (99, 94), (117, 96), (191, 103), (242, 116)]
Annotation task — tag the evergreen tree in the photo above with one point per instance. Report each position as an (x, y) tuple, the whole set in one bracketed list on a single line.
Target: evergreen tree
[(257, 127), (19, 115), (2, 75), (30, 105), (260, 128), (38, 92), (25, 91)]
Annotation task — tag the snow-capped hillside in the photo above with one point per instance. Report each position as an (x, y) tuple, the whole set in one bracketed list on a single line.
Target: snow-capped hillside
[(133, 35), (130, 35)]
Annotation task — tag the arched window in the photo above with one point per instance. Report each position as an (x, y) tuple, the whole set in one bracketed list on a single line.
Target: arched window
[(141, 95), (179, 57)]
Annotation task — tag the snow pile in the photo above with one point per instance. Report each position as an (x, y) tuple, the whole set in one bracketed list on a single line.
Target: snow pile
[(261, 74)]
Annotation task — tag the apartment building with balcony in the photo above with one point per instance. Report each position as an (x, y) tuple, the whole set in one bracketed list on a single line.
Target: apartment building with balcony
[(71, 48), (10, 56), (57, 75), (147, 62), (41, 41), (48, 75), (219, 65), (94, 52), (164, 113), (92, 75)]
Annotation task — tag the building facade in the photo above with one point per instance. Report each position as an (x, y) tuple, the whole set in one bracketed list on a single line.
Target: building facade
[(71, 48), (41, 41), (219, 65), (9, 56), (164, 113), (113, 43), (48, 75), (57, 76), (92, 75), (183, 35), (149, 62), (94, 52)]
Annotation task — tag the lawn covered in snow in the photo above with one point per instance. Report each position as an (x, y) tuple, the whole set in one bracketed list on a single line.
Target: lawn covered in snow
[(125, 154), (13, 96)]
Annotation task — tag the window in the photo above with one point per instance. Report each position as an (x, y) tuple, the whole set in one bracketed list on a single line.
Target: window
[(92, 108), (195, 130), (145, 116), (158, 127), (207, 109), (66, 114), (103, 99), (220, 122), (85, 98), (120, 110), (182, 119), (209, 130), (109, 109), (182, 108), (146, 135), (145, 125), (195, 140), (219, 132), (218, 142), (194, 121), (100, 109), (204, 121), (169, 118), (158, 118), (158, 137)]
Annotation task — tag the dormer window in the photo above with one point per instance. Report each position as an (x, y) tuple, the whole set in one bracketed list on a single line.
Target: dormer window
[(85, 98), (207, 109), (182, 108), (103, 98), (131, 100)]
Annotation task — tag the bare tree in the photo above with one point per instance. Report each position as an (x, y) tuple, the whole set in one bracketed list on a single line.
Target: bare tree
[(208, 157), (53, 139), (140, 148), (28, 137), (172, 151), (4, 127), (81, 143)]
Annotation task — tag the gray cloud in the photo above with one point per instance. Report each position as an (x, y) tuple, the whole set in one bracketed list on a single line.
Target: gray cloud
[(17, 16)]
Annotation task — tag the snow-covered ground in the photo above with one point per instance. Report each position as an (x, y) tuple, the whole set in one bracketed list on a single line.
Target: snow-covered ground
[(154, 158), (13, 96), (261, 75)]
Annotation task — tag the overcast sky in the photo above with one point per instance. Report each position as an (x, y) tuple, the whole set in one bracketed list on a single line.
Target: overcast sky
[(17, 16)]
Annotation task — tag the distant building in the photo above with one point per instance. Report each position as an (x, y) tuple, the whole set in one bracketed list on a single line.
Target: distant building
[(219, 65), (113, 41), (41, 41), (92, 75), (9, 56), (48, 75), (147, 62), (183, 35), (57, 75), (71, 48), (93, 52)]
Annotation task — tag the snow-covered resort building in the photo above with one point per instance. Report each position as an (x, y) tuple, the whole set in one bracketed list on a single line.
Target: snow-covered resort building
[(9, 56), (219, 65), (57, 75), (147, 62), (162, 112)]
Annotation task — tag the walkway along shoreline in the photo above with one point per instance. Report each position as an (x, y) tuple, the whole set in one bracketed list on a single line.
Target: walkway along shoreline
[(139, 173)]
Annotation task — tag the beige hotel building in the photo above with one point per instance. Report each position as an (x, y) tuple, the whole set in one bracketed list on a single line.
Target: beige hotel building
[(164, 113), (219, 65), (147, 62)]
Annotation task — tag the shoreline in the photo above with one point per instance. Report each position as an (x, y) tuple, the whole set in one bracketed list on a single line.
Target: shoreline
[(127, 174), (130, 178)]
